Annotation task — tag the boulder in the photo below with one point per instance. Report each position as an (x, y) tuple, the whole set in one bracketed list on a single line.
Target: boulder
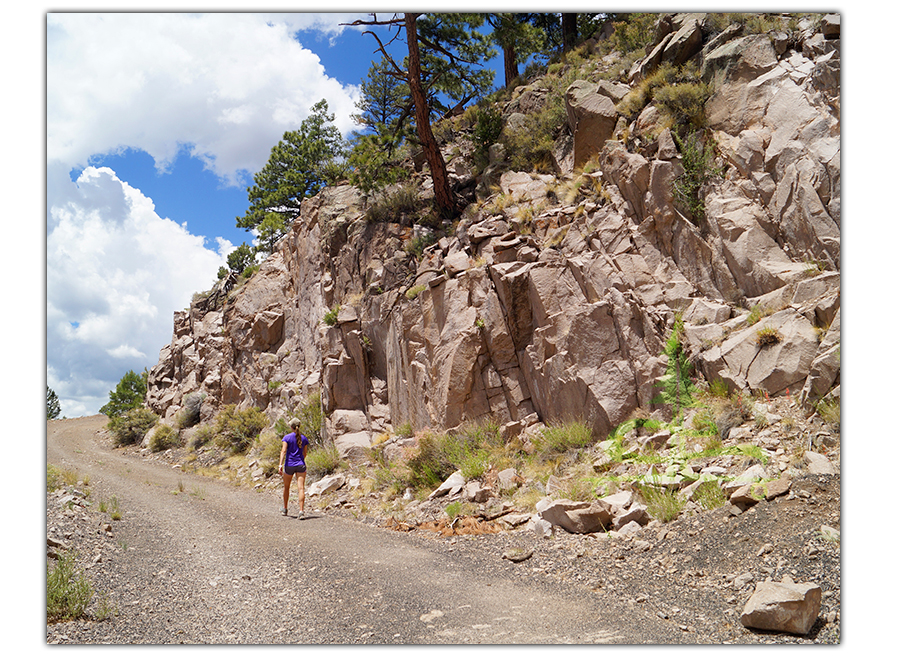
[(818, 463), (687, 41), (326, 484), (508, 479), (592, 119), (476, 492), (452, 485), (636, 513), (772, 366), (577, 516), (353, 445), (787, 607)]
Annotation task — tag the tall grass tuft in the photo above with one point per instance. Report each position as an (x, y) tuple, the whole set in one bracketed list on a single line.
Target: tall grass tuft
[(68, 590), (562, 436)]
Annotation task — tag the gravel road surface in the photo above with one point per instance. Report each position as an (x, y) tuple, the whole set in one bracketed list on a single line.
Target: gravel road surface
[(198, 561)]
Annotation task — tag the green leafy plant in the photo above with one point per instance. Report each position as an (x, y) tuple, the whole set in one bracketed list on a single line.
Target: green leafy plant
[(676, 385), (68, 590), (453, 509)]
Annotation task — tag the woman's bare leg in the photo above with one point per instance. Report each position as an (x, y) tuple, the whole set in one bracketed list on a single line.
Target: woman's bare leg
[(287, 488), (301, 489)]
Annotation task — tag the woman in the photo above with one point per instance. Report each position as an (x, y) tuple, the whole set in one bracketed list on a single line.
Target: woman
[(293, 462)]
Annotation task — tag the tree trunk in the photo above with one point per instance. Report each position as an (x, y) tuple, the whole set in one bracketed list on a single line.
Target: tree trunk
[(443, 195), (510, 65), (570, 31)]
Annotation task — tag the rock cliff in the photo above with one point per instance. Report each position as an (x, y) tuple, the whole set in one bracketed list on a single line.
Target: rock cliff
[(552, 296)]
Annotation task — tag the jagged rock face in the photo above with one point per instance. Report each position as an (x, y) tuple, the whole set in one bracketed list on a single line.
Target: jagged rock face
[(542, 311)]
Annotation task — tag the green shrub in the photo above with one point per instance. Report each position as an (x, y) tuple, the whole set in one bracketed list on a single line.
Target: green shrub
[(164, 437), (430, 463), (767, 336), (684, 104), (53, 478), (635, 32), (200, 437), (236, 429), (417, 245), (829, 411), (132, 426), (68, 590), (437, 455), (331, 316), (697, 162), (396, 205), (488, 127), (322, 460), (268, 447), (644, 93), (312, 418), (453, 509), (414, 291)]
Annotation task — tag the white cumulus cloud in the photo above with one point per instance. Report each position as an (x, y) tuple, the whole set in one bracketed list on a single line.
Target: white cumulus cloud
[(222, 86), (116, 271), (227, 86)]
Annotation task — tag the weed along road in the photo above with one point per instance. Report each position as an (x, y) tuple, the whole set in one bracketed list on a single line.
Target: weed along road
[(200, 561)]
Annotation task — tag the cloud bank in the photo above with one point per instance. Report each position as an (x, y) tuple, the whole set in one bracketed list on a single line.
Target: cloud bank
[(223, 86)]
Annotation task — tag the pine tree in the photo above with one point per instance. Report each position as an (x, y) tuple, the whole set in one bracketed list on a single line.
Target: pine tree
[(298, 167), (445, 56), (53, 408), (385, 103), (129, 394)]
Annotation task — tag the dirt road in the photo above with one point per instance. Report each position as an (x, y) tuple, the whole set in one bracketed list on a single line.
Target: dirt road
[(198, 561)]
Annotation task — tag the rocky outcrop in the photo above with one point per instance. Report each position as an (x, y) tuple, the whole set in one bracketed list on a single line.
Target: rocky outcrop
[(539, 305)]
